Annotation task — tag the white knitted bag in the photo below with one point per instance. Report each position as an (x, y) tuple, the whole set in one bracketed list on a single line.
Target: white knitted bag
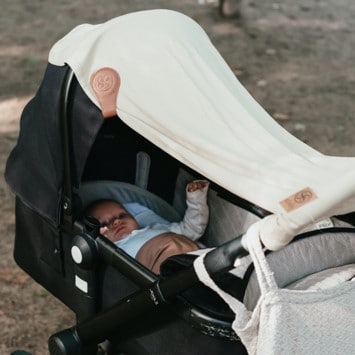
[(289, 321)]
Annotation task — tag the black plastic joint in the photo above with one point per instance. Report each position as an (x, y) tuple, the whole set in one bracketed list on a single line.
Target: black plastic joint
[(67, 206), (84, 251), (156, 294), (66, 342)]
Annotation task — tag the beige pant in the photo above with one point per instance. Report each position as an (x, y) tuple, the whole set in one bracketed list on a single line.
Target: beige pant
[(161, 247)]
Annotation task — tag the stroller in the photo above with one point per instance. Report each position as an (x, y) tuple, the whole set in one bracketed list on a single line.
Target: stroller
[(132, 109)]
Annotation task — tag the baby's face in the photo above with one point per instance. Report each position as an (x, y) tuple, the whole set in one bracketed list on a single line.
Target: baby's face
[(116, 223)]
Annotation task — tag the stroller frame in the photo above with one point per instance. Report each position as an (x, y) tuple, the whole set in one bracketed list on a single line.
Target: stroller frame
[(156, 294)]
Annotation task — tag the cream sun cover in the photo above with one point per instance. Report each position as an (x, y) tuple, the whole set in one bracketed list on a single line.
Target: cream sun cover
[(178, 92)]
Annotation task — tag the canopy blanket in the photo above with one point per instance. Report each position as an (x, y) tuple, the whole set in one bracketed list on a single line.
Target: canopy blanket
[(177, 91)]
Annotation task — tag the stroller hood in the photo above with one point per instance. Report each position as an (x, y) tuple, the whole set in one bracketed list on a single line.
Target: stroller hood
[(177, 91)]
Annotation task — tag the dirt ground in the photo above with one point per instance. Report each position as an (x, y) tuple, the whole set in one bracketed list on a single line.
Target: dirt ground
[(295, 57)]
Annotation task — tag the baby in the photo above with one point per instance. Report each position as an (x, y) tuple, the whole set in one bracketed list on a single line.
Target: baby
[(156, 242)]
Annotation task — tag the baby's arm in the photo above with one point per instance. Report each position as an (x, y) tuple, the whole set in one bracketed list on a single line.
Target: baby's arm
[(196, 215)]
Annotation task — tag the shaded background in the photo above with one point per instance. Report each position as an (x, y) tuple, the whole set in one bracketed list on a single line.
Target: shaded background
[(295, 57)]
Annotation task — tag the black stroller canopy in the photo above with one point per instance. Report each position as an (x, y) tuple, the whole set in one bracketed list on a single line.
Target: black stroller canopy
[(35, 167)]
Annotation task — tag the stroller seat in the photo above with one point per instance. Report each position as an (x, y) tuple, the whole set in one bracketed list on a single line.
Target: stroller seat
[(312, 255), (199, 305), (309, 257), (325, 279)]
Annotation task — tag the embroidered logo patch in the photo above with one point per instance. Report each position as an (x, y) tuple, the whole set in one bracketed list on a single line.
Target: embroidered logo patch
[(105, 84), (298, 199)]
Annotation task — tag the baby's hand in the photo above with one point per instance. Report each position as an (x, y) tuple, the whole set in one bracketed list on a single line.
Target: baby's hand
[(197, 185), (103, 231)]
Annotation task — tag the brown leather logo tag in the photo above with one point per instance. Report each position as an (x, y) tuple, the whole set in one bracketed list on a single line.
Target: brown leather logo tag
[(298, 199), (105, 84)]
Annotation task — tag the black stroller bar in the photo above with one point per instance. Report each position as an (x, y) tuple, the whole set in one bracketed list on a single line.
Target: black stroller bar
[(115, 258), (84, 337), (66, 147)]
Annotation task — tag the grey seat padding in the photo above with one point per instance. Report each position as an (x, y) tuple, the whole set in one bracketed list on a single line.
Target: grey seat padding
[(304, 257), (125, 193)]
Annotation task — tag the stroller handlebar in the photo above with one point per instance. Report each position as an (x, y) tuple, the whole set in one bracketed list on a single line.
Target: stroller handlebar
[(222, 258)]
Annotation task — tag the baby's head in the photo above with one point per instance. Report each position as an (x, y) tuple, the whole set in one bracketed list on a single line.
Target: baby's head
[(115, 222)]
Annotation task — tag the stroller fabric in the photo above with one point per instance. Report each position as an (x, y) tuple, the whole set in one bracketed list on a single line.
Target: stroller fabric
[(142, 204), (317, 251), (325, 279)]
